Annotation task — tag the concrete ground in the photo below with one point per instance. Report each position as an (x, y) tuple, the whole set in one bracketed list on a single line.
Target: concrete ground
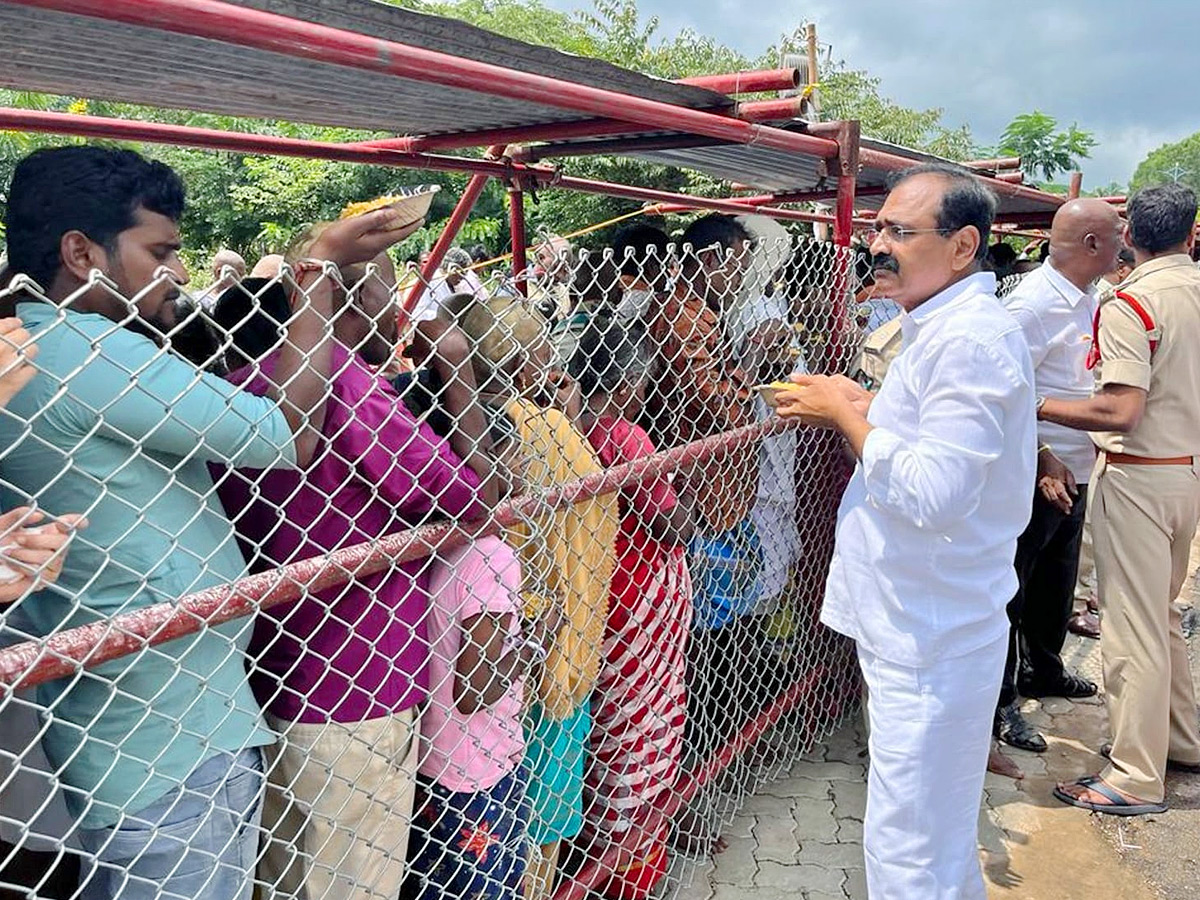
[(799, 835)]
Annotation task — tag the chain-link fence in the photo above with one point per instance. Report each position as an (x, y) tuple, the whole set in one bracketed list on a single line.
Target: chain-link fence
[(523, 609)]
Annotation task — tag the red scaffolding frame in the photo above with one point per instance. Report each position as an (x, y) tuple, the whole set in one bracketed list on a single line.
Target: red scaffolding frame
[(632, 123)]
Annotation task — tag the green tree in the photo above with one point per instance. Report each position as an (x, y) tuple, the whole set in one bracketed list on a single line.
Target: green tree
[(1178, 162), (1042, 147)]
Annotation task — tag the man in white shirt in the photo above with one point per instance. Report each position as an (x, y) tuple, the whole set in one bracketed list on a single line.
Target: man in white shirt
[(1055, 306), (927, 530)]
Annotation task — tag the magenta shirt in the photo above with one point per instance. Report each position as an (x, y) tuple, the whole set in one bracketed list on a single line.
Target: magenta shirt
[(356, 651)]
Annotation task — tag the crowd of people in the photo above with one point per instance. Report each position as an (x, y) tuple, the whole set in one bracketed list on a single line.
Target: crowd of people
[(477, 720), (530, 686)]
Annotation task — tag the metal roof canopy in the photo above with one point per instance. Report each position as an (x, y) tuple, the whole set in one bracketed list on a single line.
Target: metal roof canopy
[(56, 51), (83, 56)]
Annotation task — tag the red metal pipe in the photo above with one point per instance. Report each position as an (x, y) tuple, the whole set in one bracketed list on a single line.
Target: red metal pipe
[(64, 653), (516, 227), (995, 165), (889, 162), (238, 142), (462, 210), (1011, 177), (748, 82), (220, 21), (840, 325), (1076, 185), (641, 143)]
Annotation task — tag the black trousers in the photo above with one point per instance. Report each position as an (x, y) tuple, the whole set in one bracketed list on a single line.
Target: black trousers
[(1047, 564)]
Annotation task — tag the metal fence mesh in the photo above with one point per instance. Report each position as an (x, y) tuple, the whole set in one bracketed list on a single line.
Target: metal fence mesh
[(535, 618)]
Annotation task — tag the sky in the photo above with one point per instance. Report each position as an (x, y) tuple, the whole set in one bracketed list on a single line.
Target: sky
[(1125, 71)]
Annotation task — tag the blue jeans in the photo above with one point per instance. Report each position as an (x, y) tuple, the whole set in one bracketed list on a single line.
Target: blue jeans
[(199, 841)]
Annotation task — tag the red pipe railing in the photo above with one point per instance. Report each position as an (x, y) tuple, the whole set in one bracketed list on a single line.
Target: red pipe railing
[(216, 20), (753, 82), (66, 652), (238, 142), (516, 228)]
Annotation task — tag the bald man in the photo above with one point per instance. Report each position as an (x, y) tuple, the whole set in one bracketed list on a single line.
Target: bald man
[(228, 268), (1055, 306)]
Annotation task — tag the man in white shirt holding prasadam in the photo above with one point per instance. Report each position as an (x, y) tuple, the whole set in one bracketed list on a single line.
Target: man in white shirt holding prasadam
[(927, 530)]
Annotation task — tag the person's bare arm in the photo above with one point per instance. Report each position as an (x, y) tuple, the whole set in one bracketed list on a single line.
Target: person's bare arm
[(306, 357), (487, 667), (443, 346), (1115, 407)]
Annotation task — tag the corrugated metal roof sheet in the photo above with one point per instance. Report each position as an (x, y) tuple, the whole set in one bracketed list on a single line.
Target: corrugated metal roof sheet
[(97, 58), (91, 57)]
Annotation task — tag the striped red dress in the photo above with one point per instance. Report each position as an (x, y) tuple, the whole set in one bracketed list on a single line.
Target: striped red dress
[(640, 702)]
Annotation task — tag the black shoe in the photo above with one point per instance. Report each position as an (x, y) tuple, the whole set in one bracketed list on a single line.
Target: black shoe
[(1012, 729), (1070, 686)]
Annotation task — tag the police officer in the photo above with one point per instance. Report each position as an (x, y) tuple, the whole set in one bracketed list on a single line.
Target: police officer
[(1145, 496)]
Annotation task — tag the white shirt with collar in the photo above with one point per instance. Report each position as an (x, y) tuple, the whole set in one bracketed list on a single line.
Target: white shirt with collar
[(928, 526), (1056, 317)]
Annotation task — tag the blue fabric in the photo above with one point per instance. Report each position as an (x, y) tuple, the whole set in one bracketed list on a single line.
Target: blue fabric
[(554, 755), (122, 431), (468, 844), (725, 571), (199, 841)]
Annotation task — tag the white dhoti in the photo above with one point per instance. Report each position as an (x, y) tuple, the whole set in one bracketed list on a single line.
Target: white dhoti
[(931, 730)]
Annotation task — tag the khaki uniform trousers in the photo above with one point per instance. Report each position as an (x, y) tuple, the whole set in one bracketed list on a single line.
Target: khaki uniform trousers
[(337, 808), (1144, 521)]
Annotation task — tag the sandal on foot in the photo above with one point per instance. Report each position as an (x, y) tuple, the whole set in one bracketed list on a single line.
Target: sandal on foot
[(1117, 805), (1070, 686)]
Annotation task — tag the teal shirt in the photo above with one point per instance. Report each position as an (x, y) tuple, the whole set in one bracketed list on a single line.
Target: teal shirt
[(118, 429)]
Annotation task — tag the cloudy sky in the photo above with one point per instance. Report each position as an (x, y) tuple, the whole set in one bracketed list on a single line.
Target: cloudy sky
[(1124, 70)]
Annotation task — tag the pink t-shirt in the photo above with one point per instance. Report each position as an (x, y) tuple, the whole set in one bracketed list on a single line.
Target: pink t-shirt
[(470, 752)]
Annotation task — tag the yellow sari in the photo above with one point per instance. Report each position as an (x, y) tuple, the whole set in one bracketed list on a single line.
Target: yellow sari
[(571, 549)]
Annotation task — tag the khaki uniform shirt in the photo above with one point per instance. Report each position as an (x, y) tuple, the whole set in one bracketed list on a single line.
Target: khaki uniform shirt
[(1168, 288), (879, 349)]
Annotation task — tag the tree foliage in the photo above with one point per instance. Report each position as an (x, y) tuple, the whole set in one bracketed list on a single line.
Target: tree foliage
[(1179, 162), (254, 204), (1042, 147)]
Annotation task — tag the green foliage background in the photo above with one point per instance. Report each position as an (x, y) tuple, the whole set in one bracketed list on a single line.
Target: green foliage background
[(254, 204)]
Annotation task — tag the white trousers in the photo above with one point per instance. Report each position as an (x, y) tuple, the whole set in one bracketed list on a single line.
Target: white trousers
[(931, 730)]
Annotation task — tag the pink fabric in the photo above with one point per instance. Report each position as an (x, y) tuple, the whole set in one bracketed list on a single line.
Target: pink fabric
[(470, 752), (355, 651)]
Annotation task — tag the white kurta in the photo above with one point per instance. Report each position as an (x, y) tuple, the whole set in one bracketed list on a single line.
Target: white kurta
[(922, 570)]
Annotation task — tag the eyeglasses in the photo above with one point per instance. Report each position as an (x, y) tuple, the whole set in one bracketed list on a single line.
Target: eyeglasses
[(898, 234)]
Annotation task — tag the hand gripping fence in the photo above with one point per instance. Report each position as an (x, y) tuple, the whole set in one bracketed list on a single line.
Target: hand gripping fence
[(530, 612)]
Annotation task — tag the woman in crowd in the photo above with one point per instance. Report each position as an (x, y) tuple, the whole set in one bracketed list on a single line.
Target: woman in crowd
[(569, 550), (470, 819), (640, 704)]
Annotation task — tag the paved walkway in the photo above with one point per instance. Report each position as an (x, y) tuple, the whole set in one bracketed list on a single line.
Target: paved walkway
[(799, 836)]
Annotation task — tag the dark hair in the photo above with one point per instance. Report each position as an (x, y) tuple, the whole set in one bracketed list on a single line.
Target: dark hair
[(1161, 217), (966, 201), (639, 239), (597, 283), (95, 190), (1125, 255), (608, 351), (197, 340), (251, 313), (479, 253), (718, 229), (1001, 254)]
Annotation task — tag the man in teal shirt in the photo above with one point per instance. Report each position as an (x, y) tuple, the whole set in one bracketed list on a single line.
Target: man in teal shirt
[(157, 751)]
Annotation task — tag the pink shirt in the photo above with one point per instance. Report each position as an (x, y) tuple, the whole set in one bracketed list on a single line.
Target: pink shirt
[(358, 650), (470, 752)]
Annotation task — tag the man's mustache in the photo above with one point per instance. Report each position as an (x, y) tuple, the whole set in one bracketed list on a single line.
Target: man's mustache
[(885, 262)]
